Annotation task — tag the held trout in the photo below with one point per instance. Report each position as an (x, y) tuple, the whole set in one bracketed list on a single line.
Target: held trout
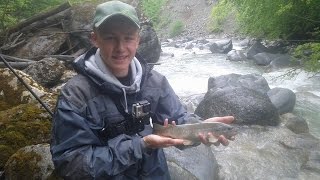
[(190, 132)]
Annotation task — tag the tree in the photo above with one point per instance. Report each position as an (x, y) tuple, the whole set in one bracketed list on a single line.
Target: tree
[(13, 11), (287, 19)]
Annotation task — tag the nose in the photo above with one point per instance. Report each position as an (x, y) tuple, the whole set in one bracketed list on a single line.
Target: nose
[(120, 44)]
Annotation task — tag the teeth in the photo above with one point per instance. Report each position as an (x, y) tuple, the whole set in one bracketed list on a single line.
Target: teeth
[(120, 57)]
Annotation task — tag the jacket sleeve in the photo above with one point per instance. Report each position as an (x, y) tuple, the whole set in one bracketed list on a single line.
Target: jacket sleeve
[(78, 153), (169, 106)]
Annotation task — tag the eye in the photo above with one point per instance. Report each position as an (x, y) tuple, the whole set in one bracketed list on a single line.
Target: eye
[(108, 38), (129, 38)]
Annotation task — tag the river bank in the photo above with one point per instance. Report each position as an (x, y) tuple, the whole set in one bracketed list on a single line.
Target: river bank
[(188, 71)]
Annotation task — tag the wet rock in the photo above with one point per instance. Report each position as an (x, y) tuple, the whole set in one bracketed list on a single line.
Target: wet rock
[(251, 81), (295, 123), (280, 154), (256, 48), (263, 58), (246, 105), (281, 61), (235, 55), (244, 96), (149, 47), (46, 72), (222, 46), (284, 99), (191, 163), (189, 45)]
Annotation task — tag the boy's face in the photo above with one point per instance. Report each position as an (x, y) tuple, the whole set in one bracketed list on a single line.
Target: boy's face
[(118, 40)]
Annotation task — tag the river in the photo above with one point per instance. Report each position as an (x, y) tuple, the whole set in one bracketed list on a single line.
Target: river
[(189, 70)]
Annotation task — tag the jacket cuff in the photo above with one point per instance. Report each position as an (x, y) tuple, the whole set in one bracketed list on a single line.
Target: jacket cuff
[(144, 147)]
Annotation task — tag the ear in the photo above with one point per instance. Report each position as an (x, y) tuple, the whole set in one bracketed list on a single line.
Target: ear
[(94, 39), (138, 41)]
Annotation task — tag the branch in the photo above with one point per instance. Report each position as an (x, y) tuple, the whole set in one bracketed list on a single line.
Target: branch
[(11, 58), (16, 65)]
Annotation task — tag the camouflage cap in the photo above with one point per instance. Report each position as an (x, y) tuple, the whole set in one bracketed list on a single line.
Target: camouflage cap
[(110, 9)]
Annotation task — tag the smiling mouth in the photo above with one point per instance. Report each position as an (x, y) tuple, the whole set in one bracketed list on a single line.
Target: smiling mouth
[(120, 58)]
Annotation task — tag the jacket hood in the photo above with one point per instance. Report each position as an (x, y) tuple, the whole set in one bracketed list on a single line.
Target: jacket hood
[(91, 65)]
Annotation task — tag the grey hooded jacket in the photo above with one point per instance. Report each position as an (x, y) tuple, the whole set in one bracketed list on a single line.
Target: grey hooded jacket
[(84, 107)]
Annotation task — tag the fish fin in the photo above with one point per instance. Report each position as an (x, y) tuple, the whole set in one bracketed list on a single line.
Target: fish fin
[(187, 142)]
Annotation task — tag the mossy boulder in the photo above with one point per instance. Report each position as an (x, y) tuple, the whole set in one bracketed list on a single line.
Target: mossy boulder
[(13, 92), (31, 162), (23, 125)]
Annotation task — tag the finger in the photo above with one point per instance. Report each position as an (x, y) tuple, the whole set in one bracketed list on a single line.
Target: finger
[(224, 141), (224, 119), (173, 123), (203, 138), (165, 123), (172, 142)]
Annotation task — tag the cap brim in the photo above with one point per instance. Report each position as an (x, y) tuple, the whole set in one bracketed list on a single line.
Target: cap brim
[(97, 24)]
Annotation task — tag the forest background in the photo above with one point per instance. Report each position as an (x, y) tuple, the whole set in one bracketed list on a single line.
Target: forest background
[(293, 21)]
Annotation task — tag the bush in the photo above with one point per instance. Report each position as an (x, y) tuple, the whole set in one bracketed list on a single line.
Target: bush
[(152, 9), (309, 55), (219, 15), (13, 11), (176, 28), (286, 19)]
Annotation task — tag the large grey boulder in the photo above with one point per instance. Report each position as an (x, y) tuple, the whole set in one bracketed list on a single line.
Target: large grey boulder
[(281, 61), (30, 162), (235, 55), (251, 81), (222, 46), (295, 123), (246, 105), (243, 96), (149, 47), (196, 163), (284, 99), (46, 72), (263, 58), (43, 43), (256, 48)]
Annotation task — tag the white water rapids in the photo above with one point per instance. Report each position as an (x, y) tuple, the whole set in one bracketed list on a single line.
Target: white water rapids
[(189, 70)]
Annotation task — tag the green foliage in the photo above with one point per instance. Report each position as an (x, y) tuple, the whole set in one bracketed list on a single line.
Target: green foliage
[(309, 55), (25, 165), (164, 21), (219, 14), (152, 9), (288, 19), (176, 28), (13, 11), (274, 19)]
